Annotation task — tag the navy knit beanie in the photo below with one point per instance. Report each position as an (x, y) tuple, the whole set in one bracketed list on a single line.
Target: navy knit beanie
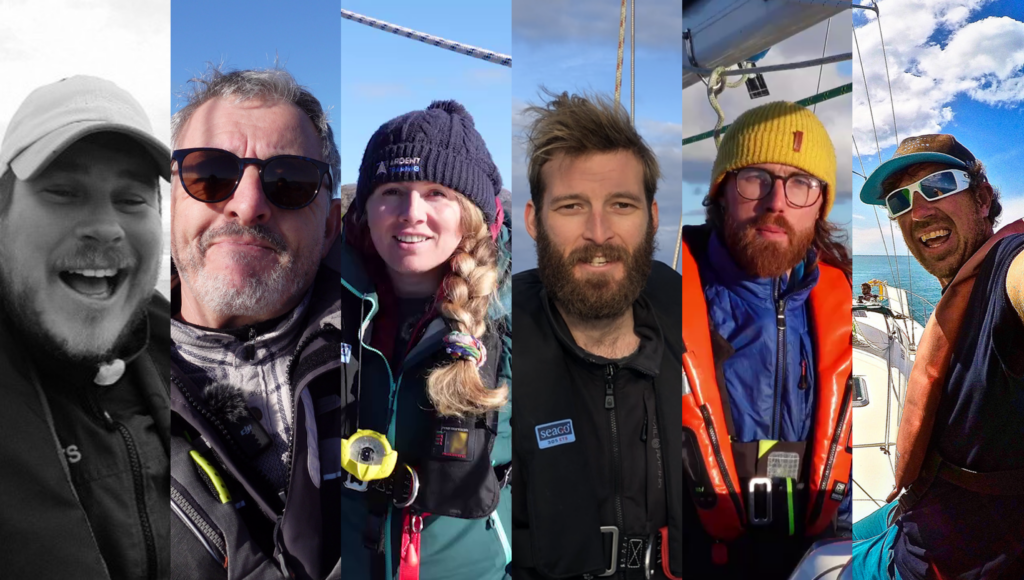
[(439, 144)]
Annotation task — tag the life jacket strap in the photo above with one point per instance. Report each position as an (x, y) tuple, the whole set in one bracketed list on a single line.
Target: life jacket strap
[(991, 483), (409, 564)]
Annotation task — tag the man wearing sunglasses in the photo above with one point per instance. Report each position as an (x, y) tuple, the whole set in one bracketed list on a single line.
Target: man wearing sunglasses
[(960, 449), (255, 309), (83, 337), (766, 357)]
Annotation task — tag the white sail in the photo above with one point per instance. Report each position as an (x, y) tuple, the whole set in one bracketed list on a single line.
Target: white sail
[(723, 33)]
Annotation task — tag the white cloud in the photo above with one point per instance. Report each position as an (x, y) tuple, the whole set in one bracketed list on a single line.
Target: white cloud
[(935, 55)]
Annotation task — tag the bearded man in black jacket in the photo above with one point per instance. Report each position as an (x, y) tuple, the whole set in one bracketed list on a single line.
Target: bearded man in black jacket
[(597, 471), (84, 338)]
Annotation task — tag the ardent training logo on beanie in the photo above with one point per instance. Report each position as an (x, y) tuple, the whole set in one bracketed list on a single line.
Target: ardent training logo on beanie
[(438, 144)]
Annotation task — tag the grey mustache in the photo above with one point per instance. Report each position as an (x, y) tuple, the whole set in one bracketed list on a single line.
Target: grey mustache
[(234, 230)]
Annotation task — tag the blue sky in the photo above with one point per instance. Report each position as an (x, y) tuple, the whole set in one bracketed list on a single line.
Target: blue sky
[(253, 34), (956, 69), (572, 47), (384, 75)]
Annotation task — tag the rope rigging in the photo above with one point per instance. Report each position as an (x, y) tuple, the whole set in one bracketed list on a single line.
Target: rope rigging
[(457, 47), (716, 83)]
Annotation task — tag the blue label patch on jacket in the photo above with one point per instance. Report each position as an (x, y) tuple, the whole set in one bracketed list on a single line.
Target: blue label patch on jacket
[(346, 353), (557, 433)]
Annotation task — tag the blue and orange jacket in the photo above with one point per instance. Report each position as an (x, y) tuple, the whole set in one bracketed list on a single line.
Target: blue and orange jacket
[(787, 379)]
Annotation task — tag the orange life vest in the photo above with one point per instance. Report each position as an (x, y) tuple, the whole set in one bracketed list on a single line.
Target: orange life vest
[(829, 453)]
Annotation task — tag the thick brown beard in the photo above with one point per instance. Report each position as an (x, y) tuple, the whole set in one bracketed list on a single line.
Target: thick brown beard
[(596, 297), (762, 258)]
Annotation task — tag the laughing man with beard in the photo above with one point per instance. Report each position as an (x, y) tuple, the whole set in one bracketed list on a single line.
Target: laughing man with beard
[(83, 338), (767, 354), (960, 449), (596, 472)]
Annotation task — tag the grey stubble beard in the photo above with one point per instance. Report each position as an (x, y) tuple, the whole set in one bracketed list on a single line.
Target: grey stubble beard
[(259, 295)]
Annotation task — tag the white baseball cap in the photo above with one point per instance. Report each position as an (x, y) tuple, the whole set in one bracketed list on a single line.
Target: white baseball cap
[(55, 116)]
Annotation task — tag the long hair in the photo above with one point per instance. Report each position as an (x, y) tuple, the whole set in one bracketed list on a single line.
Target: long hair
[(455, 387)]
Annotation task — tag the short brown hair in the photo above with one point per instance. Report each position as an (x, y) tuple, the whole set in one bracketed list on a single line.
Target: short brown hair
[(978, 177), (577, 125)]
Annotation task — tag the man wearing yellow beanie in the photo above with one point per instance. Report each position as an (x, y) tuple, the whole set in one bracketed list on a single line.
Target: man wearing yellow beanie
[(767, 357)]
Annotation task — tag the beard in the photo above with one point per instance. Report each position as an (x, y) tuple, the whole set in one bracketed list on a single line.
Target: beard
[(763, 258), (18, 307), (257, 295), (971, 235), (597, 296)]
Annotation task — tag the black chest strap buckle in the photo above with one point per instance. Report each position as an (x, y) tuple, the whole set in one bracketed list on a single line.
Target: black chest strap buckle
[(629, 553)]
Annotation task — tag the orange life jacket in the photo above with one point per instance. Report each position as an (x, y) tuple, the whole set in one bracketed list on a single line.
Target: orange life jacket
[(829, 452)]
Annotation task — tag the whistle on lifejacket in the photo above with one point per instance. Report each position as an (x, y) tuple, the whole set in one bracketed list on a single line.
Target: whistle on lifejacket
[(367, 455)]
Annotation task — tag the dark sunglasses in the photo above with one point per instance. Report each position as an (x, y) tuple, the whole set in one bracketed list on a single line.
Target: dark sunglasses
[(935, 186), (212, 175)]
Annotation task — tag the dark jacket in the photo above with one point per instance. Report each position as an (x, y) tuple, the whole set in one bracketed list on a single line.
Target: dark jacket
[(467, 534), (44, 529), (618, 461), (979, 427), (259, 533)]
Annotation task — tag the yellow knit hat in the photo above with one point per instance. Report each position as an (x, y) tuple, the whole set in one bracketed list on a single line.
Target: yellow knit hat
[(778, 132)]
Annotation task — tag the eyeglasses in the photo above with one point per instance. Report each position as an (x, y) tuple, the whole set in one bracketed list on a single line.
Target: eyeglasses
[(935, 186), (212, 175), (754, 183)]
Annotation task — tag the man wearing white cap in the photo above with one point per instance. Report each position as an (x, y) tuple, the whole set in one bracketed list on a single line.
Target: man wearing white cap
[(84, 338)]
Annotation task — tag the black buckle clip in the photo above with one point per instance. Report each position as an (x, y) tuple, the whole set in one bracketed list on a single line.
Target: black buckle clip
[(402, 486), (762, 516)]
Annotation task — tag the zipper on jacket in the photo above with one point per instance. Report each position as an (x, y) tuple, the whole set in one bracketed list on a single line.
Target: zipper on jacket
[(609, 404), (819, 502), (726, 476), (135, 464), (207, 534), (780, 362)]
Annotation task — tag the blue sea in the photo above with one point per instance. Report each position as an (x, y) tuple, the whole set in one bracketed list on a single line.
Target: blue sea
[(911, 277)]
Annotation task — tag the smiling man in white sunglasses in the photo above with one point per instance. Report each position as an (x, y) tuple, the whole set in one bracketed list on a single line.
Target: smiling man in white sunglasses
[(960, 450), (922, 187)]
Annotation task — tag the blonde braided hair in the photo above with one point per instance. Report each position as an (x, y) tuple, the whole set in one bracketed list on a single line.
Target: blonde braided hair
[(456, 388)]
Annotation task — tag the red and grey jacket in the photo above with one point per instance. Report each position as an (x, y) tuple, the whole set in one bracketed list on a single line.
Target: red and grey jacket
[(717, 493)]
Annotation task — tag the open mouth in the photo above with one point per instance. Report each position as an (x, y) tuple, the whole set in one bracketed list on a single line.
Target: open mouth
[(411, 239), (935, 238), (597, 262), (97, 284)]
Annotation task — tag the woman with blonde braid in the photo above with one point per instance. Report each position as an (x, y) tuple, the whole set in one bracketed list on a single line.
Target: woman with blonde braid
[(426, 383)]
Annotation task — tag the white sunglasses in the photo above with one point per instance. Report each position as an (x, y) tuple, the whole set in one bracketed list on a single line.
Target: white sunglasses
[(935, 186)]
